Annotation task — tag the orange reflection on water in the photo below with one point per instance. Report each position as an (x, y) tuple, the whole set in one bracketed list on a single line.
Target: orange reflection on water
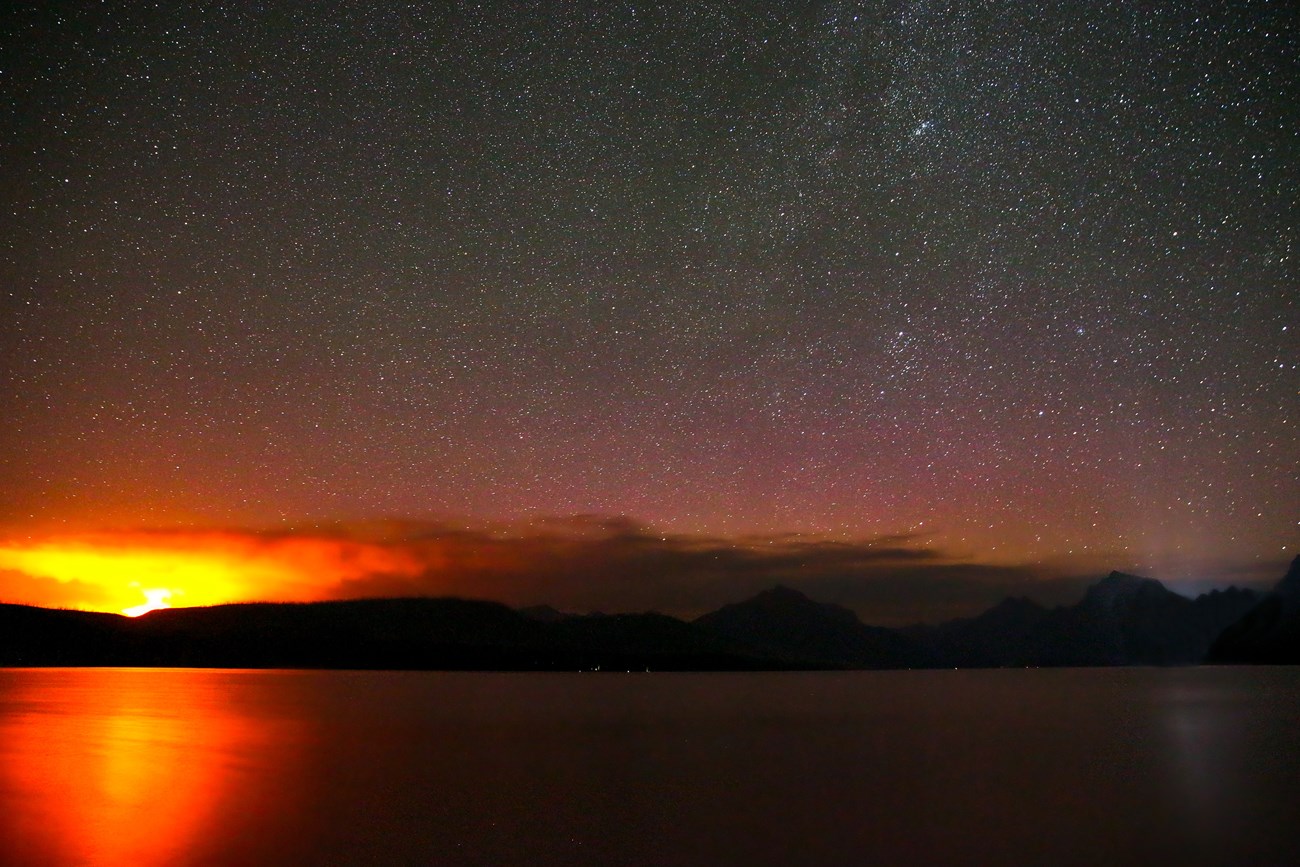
[(129, 770)]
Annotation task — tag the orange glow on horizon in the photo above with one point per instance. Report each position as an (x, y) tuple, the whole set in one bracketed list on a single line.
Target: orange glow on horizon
[(135, 572)]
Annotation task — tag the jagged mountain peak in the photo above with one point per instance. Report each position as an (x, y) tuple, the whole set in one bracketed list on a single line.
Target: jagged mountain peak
[(786, 600), (1120, 589), (1269, 633), (1289, 586), (780, 592), (785, 620)]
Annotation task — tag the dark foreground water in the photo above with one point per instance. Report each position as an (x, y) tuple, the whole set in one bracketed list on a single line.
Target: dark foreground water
[(173, 767)]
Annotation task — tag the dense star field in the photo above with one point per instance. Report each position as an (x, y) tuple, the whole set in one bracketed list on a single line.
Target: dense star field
[(997, 284)]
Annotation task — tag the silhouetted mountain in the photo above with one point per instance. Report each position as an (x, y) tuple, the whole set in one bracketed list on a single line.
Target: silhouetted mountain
[(1121, 620), (545, 613), (48, 636), (1268, 634), (368, 633), (785, 622), (1010, 634), (1120, 592)]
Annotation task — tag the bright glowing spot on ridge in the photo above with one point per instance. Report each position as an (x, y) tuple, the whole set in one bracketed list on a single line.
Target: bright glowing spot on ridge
[(117, 572), (154, 600), (110, 571)]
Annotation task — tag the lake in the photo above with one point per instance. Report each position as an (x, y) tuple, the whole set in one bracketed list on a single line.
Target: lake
[(1088, 766)]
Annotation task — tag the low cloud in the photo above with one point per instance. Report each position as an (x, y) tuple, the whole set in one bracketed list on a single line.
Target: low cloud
[(24, 589), (592, 563)]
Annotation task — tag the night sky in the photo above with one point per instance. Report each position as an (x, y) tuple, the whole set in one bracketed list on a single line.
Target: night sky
[(996, 283)]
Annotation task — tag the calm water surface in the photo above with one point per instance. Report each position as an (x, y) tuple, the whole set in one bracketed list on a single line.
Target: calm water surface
[(175, 767)]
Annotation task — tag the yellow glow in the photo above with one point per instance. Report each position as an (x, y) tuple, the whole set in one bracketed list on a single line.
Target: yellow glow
[(205, 577), (153, 600), (112, 572)]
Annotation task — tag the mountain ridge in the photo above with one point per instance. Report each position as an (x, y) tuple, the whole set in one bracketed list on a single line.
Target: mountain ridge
[(1267, 634), (822, 633), (1120, 620)]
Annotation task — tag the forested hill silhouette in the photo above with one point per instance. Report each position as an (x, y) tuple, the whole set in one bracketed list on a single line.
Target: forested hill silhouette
[(420, 633), (1121, 620)]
